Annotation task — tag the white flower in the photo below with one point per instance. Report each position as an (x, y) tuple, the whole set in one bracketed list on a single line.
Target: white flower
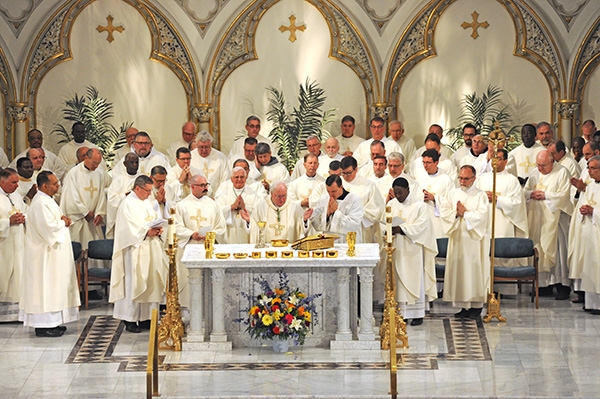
[(294, 299), (296, 324)]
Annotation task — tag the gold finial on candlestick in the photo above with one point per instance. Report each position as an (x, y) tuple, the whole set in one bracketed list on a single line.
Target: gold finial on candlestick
[(209, 244), (497, 138), (171, 328)]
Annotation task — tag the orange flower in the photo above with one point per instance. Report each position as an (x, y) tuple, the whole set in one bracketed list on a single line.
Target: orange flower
[(254, 310), (279, 291), (276, 300), (300, 310)]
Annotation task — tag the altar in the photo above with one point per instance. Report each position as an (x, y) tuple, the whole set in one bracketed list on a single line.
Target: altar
[(216, 302)]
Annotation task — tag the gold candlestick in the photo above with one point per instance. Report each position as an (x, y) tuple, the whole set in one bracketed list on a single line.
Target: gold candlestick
[(351, 241), (261, 235), (393, 322), (209, 244), (171, 328)]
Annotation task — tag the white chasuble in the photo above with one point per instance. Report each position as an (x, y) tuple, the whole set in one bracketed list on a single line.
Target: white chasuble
[(180, 190), (439, 185), (467, 275), (373, 204), (237, 232), (83, 192), (144, 256), (155, 158), (285, 223), (274, 171), (49, 289), (416, 249), (116, 193), (544, 216), (213, 168), (347, 218), (303, 187), (349, 144), (525, 159)]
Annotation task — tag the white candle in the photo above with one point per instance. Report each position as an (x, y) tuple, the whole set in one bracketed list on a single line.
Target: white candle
[(388, 224), (171, 232)]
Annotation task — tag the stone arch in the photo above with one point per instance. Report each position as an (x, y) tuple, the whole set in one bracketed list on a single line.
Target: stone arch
[(237, 47), (8, 95)]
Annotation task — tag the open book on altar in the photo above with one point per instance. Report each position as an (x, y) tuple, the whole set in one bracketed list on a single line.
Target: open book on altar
[(317, 241)]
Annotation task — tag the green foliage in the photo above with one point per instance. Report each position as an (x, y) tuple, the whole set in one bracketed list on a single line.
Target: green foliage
[(290, 131), (483, 112), (94, 112)]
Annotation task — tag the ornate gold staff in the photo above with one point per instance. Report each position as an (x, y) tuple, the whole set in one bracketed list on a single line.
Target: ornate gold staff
[(393, 323), (497, 137), (171, 328)]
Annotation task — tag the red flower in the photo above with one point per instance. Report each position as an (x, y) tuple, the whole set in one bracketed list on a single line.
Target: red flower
[(274, 308), (276, 330), (288, 319)]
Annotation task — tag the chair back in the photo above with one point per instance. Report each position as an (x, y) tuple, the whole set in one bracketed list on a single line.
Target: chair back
[(100, 249), (509, 247), (77, 249), (442, 244)]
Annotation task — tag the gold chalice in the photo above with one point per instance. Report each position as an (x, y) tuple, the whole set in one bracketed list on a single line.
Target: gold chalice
[(261, 235)]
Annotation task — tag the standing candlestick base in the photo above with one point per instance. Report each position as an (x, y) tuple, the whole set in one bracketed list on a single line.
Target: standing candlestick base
[(171, 328), (391, 308), (493, 309)]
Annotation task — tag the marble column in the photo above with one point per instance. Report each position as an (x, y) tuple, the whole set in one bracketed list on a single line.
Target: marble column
[(366, 333), (20, 114), (196, 331), (218, 333), (343, 332), (567, 109)]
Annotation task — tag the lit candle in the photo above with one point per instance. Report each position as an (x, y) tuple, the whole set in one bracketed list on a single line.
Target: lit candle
[(171, 228), (388, 224)]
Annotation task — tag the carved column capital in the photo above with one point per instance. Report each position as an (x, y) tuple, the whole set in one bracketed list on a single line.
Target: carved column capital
[(202, 113), (383, 110), (567, 108), (19, 111)]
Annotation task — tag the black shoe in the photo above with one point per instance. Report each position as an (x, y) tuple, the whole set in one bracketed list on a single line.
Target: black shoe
[(48, 332), (475, 313), (463, 314), (441, 294), (563, 292), (580, 297), (586, 309), (595, 312), (94, 296), (545, 291), (144, 325), (416, 322), (62, 328), (132, 327)]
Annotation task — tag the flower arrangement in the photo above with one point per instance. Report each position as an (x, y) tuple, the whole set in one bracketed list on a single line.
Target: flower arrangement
[(280, 313)]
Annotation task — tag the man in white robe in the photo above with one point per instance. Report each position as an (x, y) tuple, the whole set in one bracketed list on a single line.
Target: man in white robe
[(445, 151), (339, 211), (139, 263), (149, 156), (377, 128), (589, 150), (269, 166), (255, 185), (332, 148), (313, 145), (465, 217), (335, 168), (12, 244), (83, 199), (524, 155), (196, 215), (477, 156), (549, 210), (406, 144), (253, 130), (188, 136), (301, 188), (417, 169), (347, 139), (119, 188), (562, 156), (469, 131), (51, 161), (27, 187), (130, 134), (68, 152), (179, 176), (211, 162), (235, 197), (396, 166), (3, 159), (380, 177), (377, 150), (286, 220), (414, 257), (584, 252), (49, 291)]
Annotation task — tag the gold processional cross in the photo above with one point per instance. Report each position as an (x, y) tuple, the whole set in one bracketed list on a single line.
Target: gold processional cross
[(527, 164), (199, 219), (91, 189), (110, 28), (475, 25), (292, 28)]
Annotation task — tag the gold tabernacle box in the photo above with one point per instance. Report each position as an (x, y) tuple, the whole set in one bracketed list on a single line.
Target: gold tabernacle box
[(317, 241)]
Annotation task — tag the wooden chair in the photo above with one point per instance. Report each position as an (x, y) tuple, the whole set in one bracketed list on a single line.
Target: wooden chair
[(102, 250), (78, 256), (514, 248)]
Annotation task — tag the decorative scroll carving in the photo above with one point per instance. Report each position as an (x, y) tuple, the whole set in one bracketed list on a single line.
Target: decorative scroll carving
[(16, 22), (172, 47), (349, 45), (380, 17), (565, 15), (586, 61), (202, 23), (567, 108), (413, 43), (202, 113), (19, 111), (382, 110), (48, 46)]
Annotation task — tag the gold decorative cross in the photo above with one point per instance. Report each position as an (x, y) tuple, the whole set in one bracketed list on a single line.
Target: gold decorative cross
[(110, 28), (540, 186), (13, 211), (591, 201), (199, 219), (150, 217), (278, 228), (292, 28), (475, 25), (527, 164), (206, 170), (91, 189)]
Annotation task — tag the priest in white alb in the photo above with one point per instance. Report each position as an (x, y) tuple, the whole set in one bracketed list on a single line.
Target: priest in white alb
[(12, 244), (49, 291), (195, 215), (139, 263), (270, 168), (68, 152), (211, 162), (149, 156), (179, 176), (524, 155), (414, 257), (301, 188), (465, 220), (83, 199), (118, 190)]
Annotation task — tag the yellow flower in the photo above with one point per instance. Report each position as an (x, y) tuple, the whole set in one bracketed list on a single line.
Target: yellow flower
[(267, 320), (275, 300), (254, 310), (277, 315), (307, 316), (301, 295)]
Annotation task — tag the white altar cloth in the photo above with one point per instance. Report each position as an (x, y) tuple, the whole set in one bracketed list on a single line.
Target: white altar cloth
[(215, 304)]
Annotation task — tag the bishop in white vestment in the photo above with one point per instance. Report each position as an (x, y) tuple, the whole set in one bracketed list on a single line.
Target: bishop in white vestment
[(210, 162)]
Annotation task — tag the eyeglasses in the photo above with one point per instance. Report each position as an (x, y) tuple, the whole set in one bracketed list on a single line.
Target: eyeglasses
[(143, 142), (202, 184), (147, 190), (348, 173), (465, 178), (254, 126)]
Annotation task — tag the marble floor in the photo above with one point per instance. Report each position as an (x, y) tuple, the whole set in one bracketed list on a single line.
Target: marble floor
[(551, 352)]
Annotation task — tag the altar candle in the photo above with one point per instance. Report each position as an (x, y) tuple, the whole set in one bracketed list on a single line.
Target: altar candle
[(171, 228), (388, 224)]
